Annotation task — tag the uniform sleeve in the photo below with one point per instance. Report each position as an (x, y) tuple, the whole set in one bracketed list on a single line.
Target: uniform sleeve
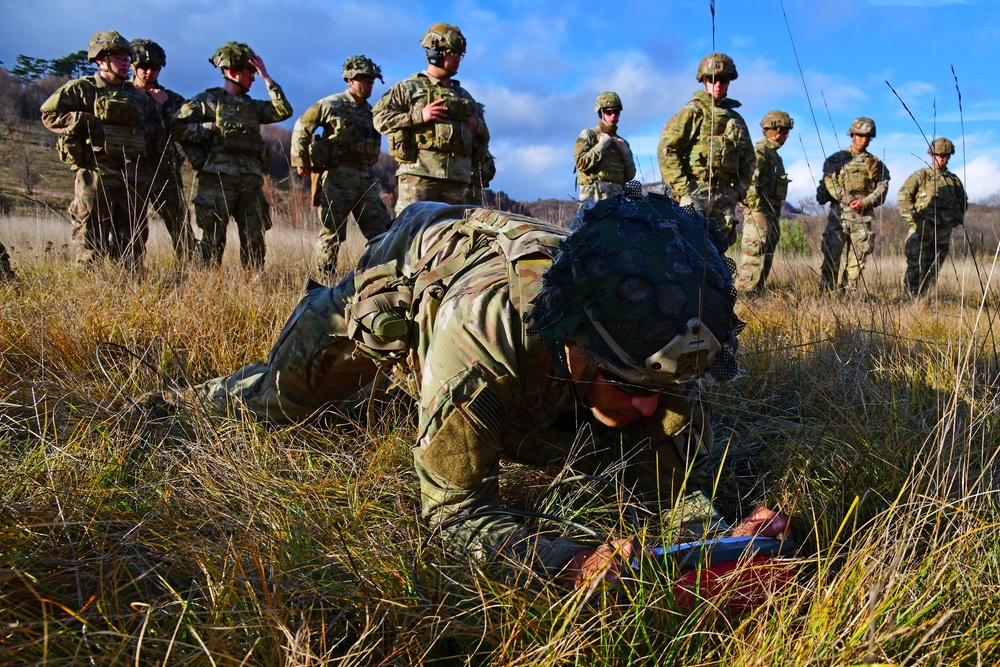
[(831, 179), (395, 111), (278, 109), (589, 149), (302, 134), (192, 123), (907, 195), (747, 159), (467, 391), (753, 199), (67, 111), (628, 161), (674, 146), (878, 195)]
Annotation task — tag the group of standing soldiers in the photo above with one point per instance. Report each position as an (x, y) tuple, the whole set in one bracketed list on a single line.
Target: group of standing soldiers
[(708, 162), (126, 138)]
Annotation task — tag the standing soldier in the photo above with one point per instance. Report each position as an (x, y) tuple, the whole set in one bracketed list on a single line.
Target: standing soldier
[(340, 161), (167, 192), (104, 126), (603, 159), (932, 201), (762, 203), (706, 156), (220, 132), (434, 126), (854, 183)]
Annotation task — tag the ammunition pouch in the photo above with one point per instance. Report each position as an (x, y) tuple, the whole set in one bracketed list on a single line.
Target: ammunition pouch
[(124, 132), (238, 130), (403, 145), (76, 151), (324, 154)]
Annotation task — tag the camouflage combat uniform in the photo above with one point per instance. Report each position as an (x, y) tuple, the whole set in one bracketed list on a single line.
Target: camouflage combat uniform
[(167, 192), (932, 201), (486, 387), (848, 175), (341, 160), (602, 166), (221, 136), (762, 215), (103, 133), (707, 158), (436, 158)]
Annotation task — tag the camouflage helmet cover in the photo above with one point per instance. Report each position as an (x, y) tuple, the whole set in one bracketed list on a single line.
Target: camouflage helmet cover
[(645, 288), (607, 100), (941, 146), (862, 126), (356, 66), (147, 53), (717, 66), (442, 37), (234, 55), (109, 41), (776, 120)]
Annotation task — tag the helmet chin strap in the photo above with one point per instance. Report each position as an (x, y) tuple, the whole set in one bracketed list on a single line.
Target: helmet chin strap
[(105, 66)]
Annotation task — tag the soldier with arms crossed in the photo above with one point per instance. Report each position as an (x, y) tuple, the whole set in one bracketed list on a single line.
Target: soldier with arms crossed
[(436, 129), (762, 204), (512, 334), (167, 191), (340, 160), (706, 156), (932, 202), (220, 132), (105, 126), (603, 159), (854, 183)]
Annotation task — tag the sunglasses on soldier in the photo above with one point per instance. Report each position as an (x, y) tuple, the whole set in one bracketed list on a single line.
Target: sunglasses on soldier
[(627, 386)]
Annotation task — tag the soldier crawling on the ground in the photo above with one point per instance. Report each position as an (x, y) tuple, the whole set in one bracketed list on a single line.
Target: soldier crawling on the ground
[(932, 202), (604, 160), (706, 156), (167, 191), (340, 161), (854, 183), (105, 125), (436, 129), (220, 132), (514, 337)]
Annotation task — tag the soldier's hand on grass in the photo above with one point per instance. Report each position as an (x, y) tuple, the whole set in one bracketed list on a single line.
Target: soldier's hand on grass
[(603, 563), (435, 110), (764, 522)]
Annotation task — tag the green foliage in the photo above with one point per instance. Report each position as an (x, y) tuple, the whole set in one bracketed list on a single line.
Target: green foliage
[(30, 69), (794, 240)]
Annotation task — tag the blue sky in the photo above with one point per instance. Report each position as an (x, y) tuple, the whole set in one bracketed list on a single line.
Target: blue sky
[(537, 66)]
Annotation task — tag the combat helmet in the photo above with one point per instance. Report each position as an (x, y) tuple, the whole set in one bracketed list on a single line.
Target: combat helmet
[(864, 127), (941, 146), (776, 120), (109, 41), (607, 100), (717, 66), (356, 66), (442, 37), (234, 55), (645, 288), (147, 53)]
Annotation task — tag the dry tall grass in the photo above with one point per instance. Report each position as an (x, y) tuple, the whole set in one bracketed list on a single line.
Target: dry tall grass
[(872, 418)]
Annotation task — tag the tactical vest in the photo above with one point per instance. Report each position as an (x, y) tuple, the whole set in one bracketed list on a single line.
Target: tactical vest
[(123, 124), (238, 127), (611, 167), (717, 147), (390, 305), (938, 199), (860, 176)]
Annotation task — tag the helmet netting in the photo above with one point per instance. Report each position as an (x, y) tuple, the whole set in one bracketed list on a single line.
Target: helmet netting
[(642, 267)]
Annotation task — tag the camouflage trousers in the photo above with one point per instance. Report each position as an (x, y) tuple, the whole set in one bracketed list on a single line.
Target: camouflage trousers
[(110, 218), (345, 191), (167, 195), (853, 233), (761, 233), (926, 249), (720, 204), (412, 188), (598, 190), (240, 196)]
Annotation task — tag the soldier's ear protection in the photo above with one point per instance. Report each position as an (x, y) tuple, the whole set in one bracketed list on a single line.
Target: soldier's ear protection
[(435, 57)]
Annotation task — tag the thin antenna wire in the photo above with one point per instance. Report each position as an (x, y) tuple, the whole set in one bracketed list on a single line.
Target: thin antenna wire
[(801, 74)]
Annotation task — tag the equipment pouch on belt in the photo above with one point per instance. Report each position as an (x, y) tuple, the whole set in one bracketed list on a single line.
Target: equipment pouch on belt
[(238, 129)]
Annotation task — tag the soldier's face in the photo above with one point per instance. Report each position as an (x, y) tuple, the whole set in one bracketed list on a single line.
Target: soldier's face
[(361, 88), (452, 61), (244, 77), (611, 116), (860, 142), (117, 62), (718, 88), (609, 405), (146, 77), (940, 161), (780, 136)]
